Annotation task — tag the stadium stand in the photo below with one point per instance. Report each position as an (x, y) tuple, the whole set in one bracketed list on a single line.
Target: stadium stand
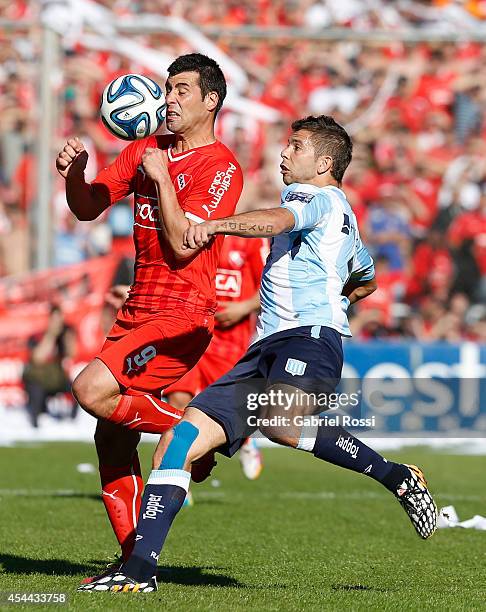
[(416, 112)]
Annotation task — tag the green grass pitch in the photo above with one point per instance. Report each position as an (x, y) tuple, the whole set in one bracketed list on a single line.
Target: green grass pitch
[(305, 536)]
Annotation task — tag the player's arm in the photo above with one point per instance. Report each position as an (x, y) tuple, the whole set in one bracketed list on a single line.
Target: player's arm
[(362, 281), (173, 220), (253, 224), (356, 290), (232, 313), (86, 201)]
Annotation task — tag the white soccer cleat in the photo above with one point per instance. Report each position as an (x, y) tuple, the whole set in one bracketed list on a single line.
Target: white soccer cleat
[(418, 503), (251, 459)]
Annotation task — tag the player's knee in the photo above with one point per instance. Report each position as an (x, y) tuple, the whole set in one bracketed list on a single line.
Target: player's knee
[(89, 395), (275, 433), (179, 399), (174, 449)]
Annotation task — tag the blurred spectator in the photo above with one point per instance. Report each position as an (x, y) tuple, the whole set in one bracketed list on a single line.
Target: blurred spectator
[(45, 374), (387, 224)]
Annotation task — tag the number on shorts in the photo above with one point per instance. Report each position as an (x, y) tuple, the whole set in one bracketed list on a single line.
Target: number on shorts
[(147, 354)]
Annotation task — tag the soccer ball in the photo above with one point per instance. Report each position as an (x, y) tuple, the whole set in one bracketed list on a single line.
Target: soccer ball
[(133, 107)]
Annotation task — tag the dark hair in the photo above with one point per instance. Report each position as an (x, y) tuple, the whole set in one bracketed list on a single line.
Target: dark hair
[(328, 138), (211, 77)]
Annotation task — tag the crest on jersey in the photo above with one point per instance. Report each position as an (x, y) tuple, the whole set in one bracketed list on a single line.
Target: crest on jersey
[(236, 258), (299, 196), (295, 367), (181, 181)]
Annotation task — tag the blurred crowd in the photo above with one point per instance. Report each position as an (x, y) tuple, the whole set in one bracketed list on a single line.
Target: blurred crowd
[(315, 14), (415, 111)]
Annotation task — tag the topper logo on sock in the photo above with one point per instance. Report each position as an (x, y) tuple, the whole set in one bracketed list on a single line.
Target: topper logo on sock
[(153, 507), (348, 446), (295, 367)]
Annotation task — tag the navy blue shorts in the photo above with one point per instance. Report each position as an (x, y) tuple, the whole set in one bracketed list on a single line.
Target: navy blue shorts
[(308, 358)]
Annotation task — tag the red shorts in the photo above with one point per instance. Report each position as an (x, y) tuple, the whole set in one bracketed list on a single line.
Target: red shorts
[(147, 351), (219, 358)]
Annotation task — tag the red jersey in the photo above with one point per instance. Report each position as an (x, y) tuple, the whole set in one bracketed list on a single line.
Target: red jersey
[(208, 183), (237, 279)]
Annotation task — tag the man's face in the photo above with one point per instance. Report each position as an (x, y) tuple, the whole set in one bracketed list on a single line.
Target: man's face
[(185, 106), (298, 159)]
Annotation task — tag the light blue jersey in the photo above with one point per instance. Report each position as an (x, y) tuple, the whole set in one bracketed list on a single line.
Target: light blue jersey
[(308, 267)]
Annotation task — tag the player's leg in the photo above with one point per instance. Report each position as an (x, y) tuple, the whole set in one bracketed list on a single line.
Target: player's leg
[(213, 421), (179, 395), (179, 399), (99, 393), (320, 360), (213, 365), (121, 480), (123, 383), (163, 497)]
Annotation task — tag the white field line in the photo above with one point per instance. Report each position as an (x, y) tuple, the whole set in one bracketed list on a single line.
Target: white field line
[(300, 495)]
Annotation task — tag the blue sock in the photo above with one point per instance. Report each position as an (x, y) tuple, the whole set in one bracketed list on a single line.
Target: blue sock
[(336, 445), (162, 499)]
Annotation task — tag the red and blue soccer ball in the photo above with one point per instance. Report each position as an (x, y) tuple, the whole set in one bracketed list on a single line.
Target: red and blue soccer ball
[(133, 107)]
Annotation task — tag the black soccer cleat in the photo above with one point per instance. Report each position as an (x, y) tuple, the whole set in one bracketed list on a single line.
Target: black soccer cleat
[(117, 582), (418, 503), (109, 569)]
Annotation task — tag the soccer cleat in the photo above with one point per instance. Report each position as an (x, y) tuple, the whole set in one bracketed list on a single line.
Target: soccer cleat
[(251, 459), (415, 499), (109, 569), (201, 469), (116, 582)]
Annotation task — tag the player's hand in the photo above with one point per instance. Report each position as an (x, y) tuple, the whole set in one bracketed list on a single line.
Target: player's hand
[(231, 313), (117, 295), (154, 162), (72, 158), (198, 235)]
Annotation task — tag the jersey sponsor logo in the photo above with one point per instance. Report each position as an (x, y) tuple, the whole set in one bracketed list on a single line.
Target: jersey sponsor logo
[(147, 211), (220, 185), (181, 181), (348, 446), (295, 367), (228, 283), (299, 196)]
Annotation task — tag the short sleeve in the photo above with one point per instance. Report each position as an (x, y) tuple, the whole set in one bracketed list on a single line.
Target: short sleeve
[(216, 192), (308, 207), (118, 176), (363, 266)]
